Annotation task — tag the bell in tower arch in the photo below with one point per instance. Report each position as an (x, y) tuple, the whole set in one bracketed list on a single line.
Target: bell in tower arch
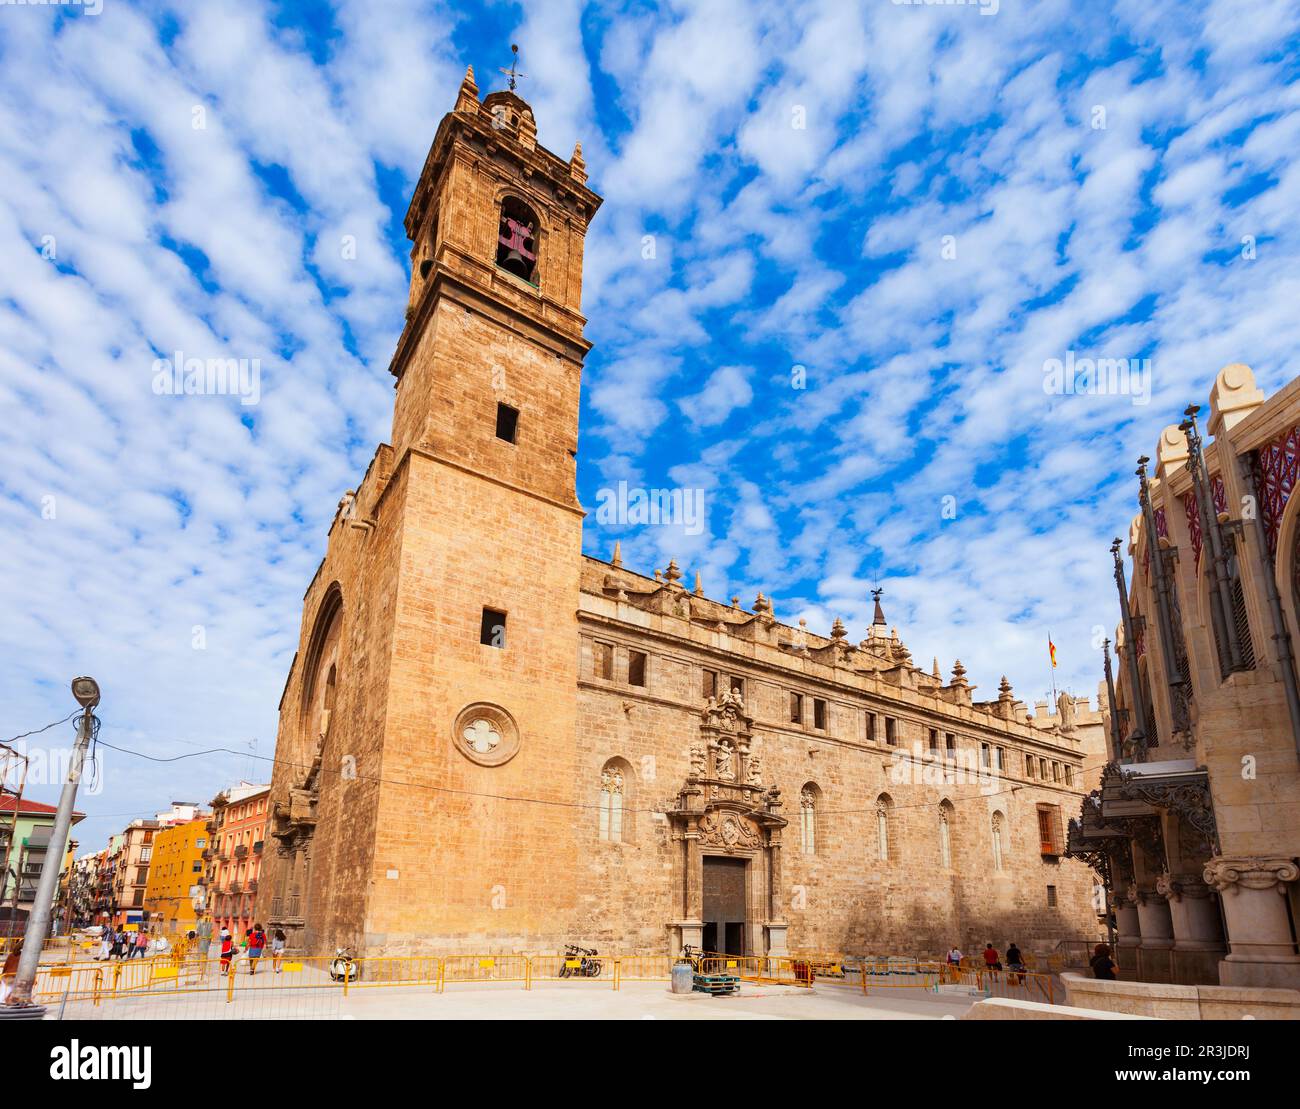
[(516, 244)]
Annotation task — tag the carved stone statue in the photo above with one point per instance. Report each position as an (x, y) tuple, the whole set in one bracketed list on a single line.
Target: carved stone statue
[(697, 761), (1065, 711), (723, 764)]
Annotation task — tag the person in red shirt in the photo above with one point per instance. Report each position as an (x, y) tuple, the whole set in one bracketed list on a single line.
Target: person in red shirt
[(256, 945), (227, 950), (992, 960)]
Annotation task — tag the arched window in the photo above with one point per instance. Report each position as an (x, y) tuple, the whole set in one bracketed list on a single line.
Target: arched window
[(320, 676), (945, 834), (1239, 615), (997, 825), (808, 818), (611, 804), (883, 811), (517, 239)]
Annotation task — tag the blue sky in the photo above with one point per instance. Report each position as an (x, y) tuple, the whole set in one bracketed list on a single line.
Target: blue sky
[(918, 206)]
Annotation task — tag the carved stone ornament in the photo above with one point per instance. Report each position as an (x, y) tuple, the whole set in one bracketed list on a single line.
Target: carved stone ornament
[(697, 760), (486, 734), (1190, 800), (1174, 887), (1231, 874), (729, 831)]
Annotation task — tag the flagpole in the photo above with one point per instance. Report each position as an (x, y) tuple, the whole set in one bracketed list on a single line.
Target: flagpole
[(1051, 663)]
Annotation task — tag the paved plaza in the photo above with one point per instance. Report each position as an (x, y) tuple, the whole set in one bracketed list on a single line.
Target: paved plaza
[(544, 1001)]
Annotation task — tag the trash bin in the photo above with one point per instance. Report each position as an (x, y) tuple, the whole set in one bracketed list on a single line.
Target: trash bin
[(683, 978)]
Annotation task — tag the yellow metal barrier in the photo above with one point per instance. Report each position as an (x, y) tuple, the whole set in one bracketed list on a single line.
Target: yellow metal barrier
[(483, 968), (642, 968), (183, 974)]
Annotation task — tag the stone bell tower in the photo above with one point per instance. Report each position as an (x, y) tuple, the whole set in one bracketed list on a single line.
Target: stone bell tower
[(481, 704), (425, 797)]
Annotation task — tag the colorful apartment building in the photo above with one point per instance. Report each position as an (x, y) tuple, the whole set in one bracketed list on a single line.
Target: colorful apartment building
[(175, 892), (24, 845), (131, 872), (238, 830)]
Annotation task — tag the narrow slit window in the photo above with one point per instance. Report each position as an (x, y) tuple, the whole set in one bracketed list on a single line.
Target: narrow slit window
[(492, 631), (819, 714), (507, 422), (636, 661)]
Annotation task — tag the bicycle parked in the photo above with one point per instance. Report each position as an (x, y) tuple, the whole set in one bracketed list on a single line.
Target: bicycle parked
[(588, 965)]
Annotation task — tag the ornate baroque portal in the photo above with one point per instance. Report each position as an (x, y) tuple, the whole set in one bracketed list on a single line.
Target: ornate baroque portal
[(725, 811)]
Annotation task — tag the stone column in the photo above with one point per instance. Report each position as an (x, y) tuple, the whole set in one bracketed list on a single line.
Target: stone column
[(1128, 931), (1198, 933), (1155, 963), (1261, 951), (777, 926), (1127, 925)]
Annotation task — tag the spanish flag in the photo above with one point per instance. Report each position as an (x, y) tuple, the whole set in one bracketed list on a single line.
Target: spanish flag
[(1051, 650)]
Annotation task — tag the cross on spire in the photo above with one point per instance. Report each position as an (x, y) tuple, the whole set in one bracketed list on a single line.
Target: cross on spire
[(512, 73)]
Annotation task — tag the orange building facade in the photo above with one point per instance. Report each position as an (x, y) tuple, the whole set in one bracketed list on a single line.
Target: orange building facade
[(234, 857)]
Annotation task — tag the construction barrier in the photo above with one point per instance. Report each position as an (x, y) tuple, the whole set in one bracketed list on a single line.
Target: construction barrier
[(143, 985), (480, 969)]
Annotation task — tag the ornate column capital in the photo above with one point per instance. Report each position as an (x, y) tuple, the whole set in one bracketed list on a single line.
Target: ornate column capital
[(1174, 887), (1233, 873)]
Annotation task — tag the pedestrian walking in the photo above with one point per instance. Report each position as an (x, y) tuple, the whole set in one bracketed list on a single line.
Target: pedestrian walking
[(227, 950), (1015, 963), (992, 960), (105, 944), (256, 945), (203, 931), (278, 942), (954, 963), (141, 945)]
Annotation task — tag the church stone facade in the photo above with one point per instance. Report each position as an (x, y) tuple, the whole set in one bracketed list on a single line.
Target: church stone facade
[(490, 742)]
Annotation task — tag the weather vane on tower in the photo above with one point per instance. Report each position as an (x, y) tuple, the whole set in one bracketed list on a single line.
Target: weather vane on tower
[(512, 73)]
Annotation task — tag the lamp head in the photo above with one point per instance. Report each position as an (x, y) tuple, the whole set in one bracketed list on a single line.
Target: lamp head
[(86, 691)]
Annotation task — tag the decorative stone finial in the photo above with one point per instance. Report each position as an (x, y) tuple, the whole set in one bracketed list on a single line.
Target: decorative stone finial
[(1004, 690), (958, 673), (1171, 451), (1233, 397), (467, 98), (578, 167), (838, 631), (617, 560), (673, 573), (762, 606), (699, 585), (735, 601), (935, 672)]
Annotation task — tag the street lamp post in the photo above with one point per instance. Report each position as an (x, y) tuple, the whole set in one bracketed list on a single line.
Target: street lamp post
[(20, 1004)]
